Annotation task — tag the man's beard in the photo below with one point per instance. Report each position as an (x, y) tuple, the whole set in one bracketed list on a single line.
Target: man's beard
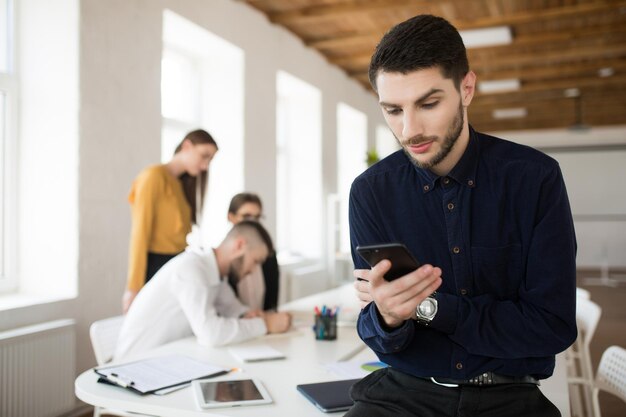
[(452, 135)]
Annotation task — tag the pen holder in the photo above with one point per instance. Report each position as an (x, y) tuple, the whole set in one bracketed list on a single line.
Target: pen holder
[(325, 327)]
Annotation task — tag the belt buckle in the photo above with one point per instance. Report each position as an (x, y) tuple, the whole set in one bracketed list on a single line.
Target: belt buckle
[(444, 385)]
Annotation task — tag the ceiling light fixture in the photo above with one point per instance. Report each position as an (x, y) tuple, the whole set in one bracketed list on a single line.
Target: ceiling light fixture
[(571, 92), (512, 113), (496, 86), (479, 38), (606, 72)]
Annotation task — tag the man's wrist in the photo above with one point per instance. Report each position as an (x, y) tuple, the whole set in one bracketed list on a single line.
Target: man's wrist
[(427, 309)]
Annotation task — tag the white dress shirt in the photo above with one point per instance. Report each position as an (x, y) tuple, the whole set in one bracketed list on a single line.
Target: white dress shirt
[(186, 296)]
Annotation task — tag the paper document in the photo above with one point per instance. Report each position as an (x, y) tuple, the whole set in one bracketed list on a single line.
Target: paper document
[(255, 353), (153, 374)]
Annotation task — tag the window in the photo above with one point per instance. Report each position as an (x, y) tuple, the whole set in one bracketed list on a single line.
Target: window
[(202, 83), (351, 161), (8, 155), (39, 83), (299, 201), (386, 143)]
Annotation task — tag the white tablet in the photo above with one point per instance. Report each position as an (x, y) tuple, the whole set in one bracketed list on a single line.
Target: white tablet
[(232, 393)]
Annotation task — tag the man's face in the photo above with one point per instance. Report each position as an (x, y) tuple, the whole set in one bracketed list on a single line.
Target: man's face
[(245, 264), (424, 111)]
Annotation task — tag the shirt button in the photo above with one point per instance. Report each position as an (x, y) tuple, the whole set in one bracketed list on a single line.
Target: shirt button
[(446, 180), (470, 183), (456, 250), (463, 291), (459, 366), (426, 187), (450, 206)]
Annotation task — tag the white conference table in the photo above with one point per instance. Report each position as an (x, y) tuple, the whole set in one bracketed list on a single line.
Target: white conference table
[(305, 363)]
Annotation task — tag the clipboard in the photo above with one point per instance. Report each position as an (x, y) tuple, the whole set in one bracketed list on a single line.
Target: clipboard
[(149, 375)]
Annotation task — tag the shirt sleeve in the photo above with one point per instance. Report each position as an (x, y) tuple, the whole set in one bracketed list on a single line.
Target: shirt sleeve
[(364, 229), (198, 300), (143, 198), (542, 320)]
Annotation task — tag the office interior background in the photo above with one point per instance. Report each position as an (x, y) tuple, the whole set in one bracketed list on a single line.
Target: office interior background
[(92, 91)]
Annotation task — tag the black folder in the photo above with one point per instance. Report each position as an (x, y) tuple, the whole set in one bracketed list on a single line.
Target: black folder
[(329, 396)]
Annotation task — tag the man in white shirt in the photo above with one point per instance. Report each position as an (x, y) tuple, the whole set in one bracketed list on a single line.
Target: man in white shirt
[(190, 295)]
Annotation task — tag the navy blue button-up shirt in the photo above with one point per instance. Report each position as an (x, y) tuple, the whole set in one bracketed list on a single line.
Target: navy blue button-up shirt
[(499, 225)]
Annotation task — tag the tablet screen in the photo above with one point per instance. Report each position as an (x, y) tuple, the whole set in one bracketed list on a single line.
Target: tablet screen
[(230, 393)]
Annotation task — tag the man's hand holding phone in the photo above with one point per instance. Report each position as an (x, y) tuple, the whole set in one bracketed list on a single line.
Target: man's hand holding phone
[(396, 300)]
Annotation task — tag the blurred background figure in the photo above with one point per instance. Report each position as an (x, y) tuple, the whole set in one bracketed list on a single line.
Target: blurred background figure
[(260, 289), (165, 201)]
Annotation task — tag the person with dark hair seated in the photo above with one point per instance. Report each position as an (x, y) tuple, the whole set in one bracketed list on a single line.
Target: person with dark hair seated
[(260, 289)]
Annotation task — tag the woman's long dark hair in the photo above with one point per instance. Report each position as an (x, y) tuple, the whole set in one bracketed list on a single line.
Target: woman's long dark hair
[(195, 187)]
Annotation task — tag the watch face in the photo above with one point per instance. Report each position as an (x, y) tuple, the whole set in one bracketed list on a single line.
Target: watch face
[(427, 308)]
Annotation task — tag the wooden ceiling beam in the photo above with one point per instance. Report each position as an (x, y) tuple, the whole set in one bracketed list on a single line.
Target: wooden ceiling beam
[(490, 21), (555, 90), (511, 59), (342, 9), (554, 71), (614, 32)]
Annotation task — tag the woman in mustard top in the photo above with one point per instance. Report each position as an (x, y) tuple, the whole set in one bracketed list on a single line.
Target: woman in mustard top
[(163, 208)]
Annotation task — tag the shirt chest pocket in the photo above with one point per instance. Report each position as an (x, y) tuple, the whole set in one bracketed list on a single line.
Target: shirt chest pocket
[(497, 271)]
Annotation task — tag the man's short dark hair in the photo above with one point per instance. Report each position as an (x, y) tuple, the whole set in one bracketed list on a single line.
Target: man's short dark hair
[(422, 42), (246, 226)]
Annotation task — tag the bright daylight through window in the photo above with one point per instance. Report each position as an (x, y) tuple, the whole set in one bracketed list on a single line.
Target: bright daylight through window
[(298, 167), (8, 100), (202, 88)]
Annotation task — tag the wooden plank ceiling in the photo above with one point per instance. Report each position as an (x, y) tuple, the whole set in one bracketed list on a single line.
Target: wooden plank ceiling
[(557, 45)]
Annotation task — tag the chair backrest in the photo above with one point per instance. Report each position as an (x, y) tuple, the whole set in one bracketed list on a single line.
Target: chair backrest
[(587, 317), (582, 293), (611, 375), (104, 334)]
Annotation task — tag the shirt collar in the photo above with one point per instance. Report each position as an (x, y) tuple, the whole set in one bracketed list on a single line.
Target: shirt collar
[(464, 172)]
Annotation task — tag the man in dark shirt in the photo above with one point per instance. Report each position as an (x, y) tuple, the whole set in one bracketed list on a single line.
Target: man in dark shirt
[(472, 330)]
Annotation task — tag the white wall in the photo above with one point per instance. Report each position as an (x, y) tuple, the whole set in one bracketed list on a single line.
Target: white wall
[(120, 128)]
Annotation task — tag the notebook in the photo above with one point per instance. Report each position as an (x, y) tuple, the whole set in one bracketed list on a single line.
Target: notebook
[(329, 396), (256, 353)]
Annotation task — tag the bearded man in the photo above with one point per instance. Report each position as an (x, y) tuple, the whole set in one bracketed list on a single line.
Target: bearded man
[(473, 330)]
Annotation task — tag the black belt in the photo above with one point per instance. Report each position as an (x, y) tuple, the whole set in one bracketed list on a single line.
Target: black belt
[(487, 378)]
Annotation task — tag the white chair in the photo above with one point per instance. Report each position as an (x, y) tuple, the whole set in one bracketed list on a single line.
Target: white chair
[(610, 377), (104, 334), (582, 293), (578, 356)]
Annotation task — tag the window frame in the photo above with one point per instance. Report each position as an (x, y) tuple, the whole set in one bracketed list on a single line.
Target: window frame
[(8, 160)]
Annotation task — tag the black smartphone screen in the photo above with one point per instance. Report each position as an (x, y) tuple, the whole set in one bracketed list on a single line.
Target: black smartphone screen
[(402, 262)]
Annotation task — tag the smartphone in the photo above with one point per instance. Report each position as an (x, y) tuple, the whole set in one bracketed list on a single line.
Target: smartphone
[(402, 262)]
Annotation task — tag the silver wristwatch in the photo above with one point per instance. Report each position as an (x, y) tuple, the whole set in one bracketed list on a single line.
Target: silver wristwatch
[(426, 310)]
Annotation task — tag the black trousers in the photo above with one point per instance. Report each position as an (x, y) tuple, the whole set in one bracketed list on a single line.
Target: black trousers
[(388, 392), (155, 262)]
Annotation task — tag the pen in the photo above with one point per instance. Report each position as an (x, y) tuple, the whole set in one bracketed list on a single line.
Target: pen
[(119, 381)]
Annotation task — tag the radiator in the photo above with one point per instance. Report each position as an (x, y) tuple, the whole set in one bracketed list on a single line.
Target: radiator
[(37, 370)]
